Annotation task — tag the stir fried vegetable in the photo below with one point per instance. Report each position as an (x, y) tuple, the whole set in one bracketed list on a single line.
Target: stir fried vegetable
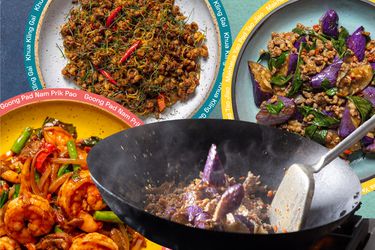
[(47, 197), (134, 51), (326, 76)]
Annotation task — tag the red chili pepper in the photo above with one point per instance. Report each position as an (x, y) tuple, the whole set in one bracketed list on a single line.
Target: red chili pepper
[(42, 156), (348, 152), (112, 16), (87, 149), (130, 51), (161, 102), (108, 76)]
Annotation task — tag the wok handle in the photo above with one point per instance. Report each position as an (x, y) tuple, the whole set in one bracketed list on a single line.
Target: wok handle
[(354, 137)]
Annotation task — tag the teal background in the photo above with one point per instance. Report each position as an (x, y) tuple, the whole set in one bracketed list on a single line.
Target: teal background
[(238, 11)]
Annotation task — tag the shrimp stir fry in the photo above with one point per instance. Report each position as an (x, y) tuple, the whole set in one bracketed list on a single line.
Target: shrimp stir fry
[(48, 199)]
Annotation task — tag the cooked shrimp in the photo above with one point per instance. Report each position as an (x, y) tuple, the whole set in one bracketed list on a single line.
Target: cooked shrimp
[(93, 241), (28, 217), (57, 241), (7, 243), (78, 196)]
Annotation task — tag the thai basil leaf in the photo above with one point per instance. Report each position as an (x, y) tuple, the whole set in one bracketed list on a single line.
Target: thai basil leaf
[(281, 80), (326, 84), (275, 108), (320, 119), (91, 141), (51, 122), (303, 32), (277, 62), (318, 135), (340, 43), (297, 79), (265, 56), (363, 106), (332, 91)]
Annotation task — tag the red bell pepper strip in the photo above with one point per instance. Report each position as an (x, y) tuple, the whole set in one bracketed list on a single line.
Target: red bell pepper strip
[(42, 156), (161, 102), (108, 76), (130, 51), (112, 16)]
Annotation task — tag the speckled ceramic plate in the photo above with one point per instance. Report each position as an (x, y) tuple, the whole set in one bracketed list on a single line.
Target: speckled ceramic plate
[(281, 16), (48, 61)]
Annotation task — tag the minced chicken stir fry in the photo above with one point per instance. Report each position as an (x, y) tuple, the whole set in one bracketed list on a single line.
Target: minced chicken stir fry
[(318, 82), (215, 201), (48, 199), (141, 54)]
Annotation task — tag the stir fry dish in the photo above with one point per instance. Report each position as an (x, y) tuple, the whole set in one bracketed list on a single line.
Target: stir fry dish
[(214, 201), (141, 54), (318, 82), (47, 197)]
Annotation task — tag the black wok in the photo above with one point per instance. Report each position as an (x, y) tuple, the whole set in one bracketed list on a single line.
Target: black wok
[(123, 164)]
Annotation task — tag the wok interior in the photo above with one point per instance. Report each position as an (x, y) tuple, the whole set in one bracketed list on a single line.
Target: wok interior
[(176, 151)]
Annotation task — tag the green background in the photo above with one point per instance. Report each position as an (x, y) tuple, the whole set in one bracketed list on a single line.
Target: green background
[(238, 11)]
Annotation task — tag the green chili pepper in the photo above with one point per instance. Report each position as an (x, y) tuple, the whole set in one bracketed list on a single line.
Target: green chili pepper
[(16, 190), (107, 216), (73, 154), (19, 144)]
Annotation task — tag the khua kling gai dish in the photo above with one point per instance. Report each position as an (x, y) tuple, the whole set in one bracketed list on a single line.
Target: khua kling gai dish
[(318, 82), (215, 200), (48, 200), (141, 54)]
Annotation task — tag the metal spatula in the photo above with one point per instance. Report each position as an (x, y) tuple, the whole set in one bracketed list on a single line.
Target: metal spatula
[(294, 195)]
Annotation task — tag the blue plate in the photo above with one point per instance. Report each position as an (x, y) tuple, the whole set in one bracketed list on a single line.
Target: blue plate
[(282, 19)]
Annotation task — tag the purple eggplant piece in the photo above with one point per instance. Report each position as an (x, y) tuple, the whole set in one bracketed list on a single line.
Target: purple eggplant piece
[(266, 118), (329, 23), (357, 43), (297, 43), (213, 172), (248, 223), (346, 126), (261, 79), (373, 65), (330, 73), (192, 212), (229, 201), (369, 95), (292, 63), (200, 220), (367, 140), (370, 148)]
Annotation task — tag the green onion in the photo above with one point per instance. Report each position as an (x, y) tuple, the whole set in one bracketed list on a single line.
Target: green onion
[(19, 144), (4, 197), (16, 190), (73, 154), (107, 216), (57, 229)]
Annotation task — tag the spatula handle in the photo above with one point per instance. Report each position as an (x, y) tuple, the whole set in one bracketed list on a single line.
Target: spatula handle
[(354, 137)]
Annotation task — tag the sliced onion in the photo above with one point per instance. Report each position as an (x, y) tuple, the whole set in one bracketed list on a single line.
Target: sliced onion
[(45, 176), (58, 182), (69, 161)]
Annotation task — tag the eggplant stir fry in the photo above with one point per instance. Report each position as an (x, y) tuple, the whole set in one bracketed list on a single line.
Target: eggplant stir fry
[(318, 82), (47, 197), (142, 54), (214, 201)]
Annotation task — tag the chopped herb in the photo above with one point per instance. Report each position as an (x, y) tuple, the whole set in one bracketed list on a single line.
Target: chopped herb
[(276, 108), (326, 84), (277, 62), (340, 43), (37, 176), (363, 106), (297, 79), (320, 119), (90, 142), (303, 32), (318, 135), (265, 56), (57, 229), (332, 91), (280, 80), (61, 51), (51, 122)]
